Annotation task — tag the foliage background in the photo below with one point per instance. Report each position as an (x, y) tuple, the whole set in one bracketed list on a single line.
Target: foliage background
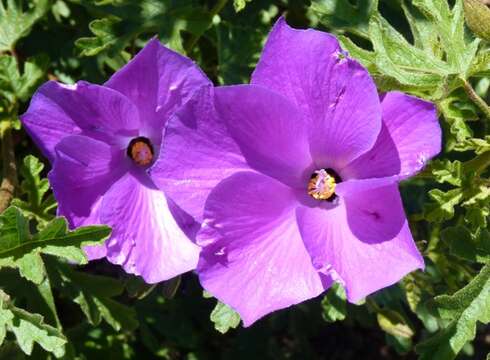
[(52, 308)]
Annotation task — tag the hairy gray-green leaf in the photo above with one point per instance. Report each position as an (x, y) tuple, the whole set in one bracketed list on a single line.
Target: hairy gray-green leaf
[(399, 59), (463, 309)]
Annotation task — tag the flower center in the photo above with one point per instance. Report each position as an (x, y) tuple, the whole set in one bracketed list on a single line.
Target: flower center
[(322, 184), (140, 151)]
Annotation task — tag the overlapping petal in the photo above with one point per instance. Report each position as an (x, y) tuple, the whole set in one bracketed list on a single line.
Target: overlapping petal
[(271, 132), (334, 92), (146, 238), (158, 81), (254, 259), (197, 153), (84, 170), (365, 241), (411, 135), (246, 127), (58, 110)]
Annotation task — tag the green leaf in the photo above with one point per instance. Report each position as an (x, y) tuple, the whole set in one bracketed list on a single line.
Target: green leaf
[(334, 304), (463, 309), (402, 61), (224, 318), (418, 288), (449, 25), (128, 19), (35, 189), (15, 86), (15, 22), (94, 294), (344, 16), (29, 329), (239, 5), (477, 145), (106, 33), (367, 58), (466, 246), (447, 171), (481, 64), (393, 323), (443, 208), (422, 28), (21, 249), (429, 67)]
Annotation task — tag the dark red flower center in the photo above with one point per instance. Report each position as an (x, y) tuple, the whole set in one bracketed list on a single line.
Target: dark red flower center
[(322, 184), (140, 151)]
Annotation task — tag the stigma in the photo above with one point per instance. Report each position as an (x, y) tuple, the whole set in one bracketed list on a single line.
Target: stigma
[(140, 151), (322, 184)]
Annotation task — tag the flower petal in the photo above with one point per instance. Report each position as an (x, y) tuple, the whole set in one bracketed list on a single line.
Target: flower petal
[(335, 92), (146, 238), (84, 170), (365, 241), (270, 131), (197, 152), (158, 81), (354, 186), (253, 257), (411, 135), (58, 110)]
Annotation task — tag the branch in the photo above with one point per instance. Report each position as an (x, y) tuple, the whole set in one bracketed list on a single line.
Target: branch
[(9, 181), (482, 105)]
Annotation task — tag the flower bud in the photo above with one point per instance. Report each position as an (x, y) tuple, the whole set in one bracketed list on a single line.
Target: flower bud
[(477, 16)]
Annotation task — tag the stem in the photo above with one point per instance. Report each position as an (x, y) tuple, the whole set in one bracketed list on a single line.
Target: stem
[(214, 11), (482, 105), (9, 180)]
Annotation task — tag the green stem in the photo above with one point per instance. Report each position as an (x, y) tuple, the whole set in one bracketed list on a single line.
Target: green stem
[(9, 180), (214, 11), (482, 105)]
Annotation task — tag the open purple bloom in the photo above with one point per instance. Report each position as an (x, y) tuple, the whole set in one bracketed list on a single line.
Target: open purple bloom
[(102, 140), (295, 176)]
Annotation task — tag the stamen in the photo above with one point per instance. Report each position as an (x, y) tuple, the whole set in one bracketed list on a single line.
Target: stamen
[(140, 151), (322, 184)]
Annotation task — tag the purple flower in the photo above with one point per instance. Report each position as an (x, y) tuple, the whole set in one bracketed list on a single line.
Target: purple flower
[(101, 141), (295, 177)]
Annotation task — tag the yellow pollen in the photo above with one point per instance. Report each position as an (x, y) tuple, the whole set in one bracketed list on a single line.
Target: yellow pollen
[(140, 151), (321, 185)]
